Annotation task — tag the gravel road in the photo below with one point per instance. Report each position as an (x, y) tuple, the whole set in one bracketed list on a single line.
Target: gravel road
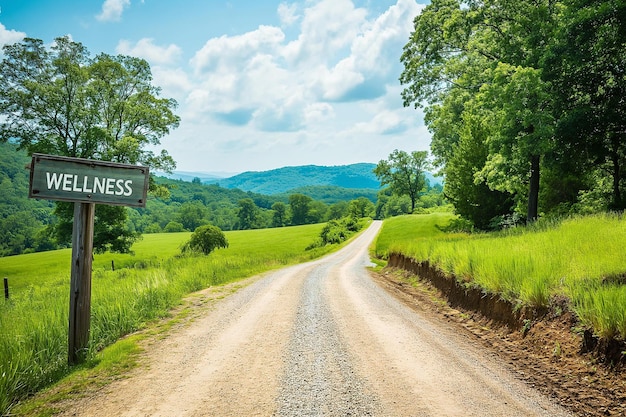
[(316, 339)]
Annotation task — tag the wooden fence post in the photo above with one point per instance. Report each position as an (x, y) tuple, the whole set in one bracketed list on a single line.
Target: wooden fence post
[(6, 288)]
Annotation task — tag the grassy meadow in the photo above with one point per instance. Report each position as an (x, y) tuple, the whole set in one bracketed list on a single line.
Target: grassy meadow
[(581, 258), (143, 287)]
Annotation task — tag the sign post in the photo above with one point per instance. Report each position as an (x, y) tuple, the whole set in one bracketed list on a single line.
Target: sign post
[(80, 281), (85, 182)]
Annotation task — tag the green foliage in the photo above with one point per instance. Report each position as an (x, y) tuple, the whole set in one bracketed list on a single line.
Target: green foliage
[(331, 194), (300, 206), (247, 214), (60, 101), (21, 219), (205, 239), (174, 227), (279, 217), (192, 214), (517, 91), (404, 173), (337, 231)]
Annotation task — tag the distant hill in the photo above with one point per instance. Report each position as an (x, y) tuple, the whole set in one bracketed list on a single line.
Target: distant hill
[(205, 177), (313, 179), (331, 194), (282, 180)]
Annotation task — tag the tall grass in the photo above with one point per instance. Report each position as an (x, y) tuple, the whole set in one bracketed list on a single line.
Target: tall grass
[(582, 258), (143, 287)]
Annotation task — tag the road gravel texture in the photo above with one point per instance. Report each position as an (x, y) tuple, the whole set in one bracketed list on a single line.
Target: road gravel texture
[(316, 339)]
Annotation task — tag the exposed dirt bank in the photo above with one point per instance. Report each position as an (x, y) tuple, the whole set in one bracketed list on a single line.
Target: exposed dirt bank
[(547, 348)]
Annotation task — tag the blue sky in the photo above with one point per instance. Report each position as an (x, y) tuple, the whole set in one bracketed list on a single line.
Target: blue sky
[(259, 84)]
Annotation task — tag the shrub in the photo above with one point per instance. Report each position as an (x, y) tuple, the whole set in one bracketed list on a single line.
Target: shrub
[(205, 239), (173, 227), (336, 231)]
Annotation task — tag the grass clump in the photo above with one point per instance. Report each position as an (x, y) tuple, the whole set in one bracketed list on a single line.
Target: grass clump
[(580, 258)]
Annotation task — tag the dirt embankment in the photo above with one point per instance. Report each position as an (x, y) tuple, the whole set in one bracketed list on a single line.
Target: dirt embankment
[(547, 347)]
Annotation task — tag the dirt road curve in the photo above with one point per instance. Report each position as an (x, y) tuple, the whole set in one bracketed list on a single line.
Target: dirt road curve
[(317, 339)]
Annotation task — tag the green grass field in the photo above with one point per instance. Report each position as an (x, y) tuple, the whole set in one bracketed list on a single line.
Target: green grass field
[(581, 258), (143, 287)]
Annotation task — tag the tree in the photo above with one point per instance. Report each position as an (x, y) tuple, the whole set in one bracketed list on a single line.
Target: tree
[(587, 64), (361, 207), (247, 214), (279, 217), (486, 58), (299, 204), (470, 194), (62, 102), (205, 239), (192, 214), (404, 173)]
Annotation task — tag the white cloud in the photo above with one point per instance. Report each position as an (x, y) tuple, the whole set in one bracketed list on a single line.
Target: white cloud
[(326, 29), (383, 123), (318, 112), (374, 54), (230, 52), (174, 82), (332, 90), (146, 49), (112, 10), (288, 14), (242, 78), (8, 37)]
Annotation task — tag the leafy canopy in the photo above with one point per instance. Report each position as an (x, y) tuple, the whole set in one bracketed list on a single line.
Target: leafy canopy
[(205, 239), (60, 101), (404, 173)]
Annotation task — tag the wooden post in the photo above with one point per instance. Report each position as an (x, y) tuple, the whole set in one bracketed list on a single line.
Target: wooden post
[(80, 285), (6, 288)]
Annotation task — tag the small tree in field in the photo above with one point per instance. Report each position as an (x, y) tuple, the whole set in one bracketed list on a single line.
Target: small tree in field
[(205, 239), (404, 173)]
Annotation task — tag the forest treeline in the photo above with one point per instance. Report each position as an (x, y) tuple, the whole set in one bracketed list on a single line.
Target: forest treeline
[(29, 225), (525, 102)]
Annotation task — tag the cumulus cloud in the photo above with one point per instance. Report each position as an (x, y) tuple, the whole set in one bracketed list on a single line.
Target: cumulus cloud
[(146, 49), (374, 54), (342, 54), (112, 10), (8, 37), (243, 78), (288, 14), (229, 52), (326, 29), (384, 123)]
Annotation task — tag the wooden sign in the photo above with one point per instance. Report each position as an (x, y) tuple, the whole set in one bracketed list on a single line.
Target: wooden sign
[(87, 181)]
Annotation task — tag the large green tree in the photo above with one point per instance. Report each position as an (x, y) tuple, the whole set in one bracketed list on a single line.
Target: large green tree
[(586, 63), (404, 173), (483, 59), (61, 101)]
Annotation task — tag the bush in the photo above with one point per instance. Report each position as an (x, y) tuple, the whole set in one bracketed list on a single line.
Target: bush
[(205, 239), (336, 231), (173, 227)]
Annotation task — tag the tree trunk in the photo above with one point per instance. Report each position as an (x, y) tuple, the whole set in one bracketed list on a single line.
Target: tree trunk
[(533, 192)]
